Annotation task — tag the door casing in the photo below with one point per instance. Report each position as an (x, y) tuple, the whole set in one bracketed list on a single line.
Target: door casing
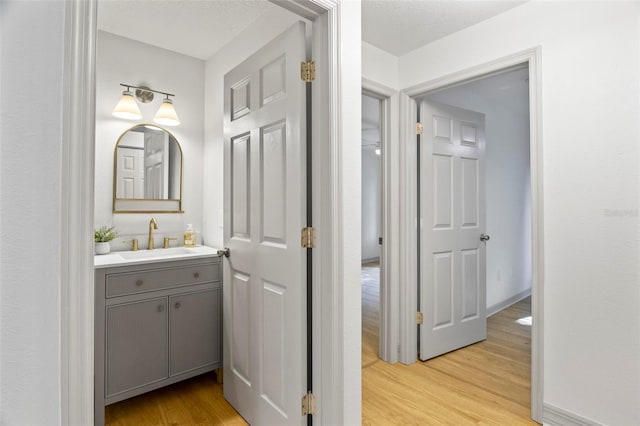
[(408, 206), (389, 262)]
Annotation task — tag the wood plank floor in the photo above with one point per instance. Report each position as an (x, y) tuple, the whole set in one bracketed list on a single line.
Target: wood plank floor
[(486, 383), (197, 401)]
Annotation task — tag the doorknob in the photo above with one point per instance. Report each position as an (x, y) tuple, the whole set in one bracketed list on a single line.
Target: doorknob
[(224, 252), (484, 237)]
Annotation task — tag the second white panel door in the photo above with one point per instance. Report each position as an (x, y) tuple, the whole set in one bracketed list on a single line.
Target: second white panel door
[(452, 255)]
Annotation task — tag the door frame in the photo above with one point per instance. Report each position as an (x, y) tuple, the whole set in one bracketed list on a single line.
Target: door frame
[(409, 220), (336, 118), (389, 263)]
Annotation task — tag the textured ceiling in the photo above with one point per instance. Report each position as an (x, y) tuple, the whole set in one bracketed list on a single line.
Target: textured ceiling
[(400, 26), (197, 28)]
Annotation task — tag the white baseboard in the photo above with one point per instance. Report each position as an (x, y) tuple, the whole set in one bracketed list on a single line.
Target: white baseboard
[(555, 416), (494, 309), (372, 259)]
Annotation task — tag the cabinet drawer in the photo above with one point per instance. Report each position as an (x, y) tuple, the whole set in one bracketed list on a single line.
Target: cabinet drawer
[(140, 282)]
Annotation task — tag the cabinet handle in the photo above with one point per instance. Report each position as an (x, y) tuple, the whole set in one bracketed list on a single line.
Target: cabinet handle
[(177, 305), (160, 308), (139, 283), (197, 274)]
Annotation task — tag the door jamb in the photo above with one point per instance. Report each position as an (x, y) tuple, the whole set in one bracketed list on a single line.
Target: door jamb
[(408, 165), (389, 264), (337, 367)]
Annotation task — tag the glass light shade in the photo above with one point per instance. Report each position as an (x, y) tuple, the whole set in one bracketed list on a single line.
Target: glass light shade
[(166, 115), (127, 107)]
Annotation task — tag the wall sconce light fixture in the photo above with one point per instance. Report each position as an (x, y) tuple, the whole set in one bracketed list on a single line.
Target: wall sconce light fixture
[(127, 107)]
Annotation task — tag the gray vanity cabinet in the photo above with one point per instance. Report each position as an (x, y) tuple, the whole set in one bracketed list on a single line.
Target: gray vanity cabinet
[(136, 344), (155, 324), (195, 333)]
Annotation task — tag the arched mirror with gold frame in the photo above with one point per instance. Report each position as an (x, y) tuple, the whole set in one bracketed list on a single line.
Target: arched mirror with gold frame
[(147, 171)]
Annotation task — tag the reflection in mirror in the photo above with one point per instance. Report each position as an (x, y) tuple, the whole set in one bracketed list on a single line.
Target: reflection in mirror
[(147, 171)]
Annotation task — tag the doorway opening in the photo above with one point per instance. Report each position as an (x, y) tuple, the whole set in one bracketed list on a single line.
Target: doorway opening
[(371, 226), (409, 108), (123, 57), (450, 386), (476, 237)]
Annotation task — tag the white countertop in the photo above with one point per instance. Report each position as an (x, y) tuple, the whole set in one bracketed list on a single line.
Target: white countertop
[(141, 257)]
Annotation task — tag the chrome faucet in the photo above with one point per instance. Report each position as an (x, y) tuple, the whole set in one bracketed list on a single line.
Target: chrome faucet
[(152, 225)]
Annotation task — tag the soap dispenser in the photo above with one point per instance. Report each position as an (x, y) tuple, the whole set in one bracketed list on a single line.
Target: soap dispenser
[(189, 236)]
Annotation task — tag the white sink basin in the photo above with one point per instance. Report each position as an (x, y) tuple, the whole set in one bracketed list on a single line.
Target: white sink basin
[(157, 253)]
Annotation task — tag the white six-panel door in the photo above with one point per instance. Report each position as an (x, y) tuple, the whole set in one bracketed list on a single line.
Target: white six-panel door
[(452, 256), (130, 164), (264, 212)]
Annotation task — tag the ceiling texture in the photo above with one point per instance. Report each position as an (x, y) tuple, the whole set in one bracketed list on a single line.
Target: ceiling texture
[(400, 26), (199, 28)]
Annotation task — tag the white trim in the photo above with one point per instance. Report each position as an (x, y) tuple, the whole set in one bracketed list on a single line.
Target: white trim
[(408, 230), (494, 309), (338, 398), (556, 416), (390, 258), (77, 187), (408, 299)]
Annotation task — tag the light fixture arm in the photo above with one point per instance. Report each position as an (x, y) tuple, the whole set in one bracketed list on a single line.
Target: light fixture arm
[(145, 89)]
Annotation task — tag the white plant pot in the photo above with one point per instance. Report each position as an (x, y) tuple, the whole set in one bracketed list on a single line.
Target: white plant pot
[(103, 248)]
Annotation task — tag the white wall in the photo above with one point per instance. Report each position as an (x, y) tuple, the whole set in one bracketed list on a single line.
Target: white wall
[(122, 60), (380, 66), (257, 35), (507, 184), (32, 59), (590, 108), (371, 205)]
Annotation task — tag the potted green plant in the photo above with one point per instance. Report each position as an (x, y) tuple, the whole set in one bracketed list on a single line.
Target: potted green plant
[(101, 237)]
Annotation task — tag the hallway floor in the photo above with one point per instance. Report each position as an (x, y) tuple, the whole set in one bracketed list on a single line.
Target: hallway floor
[(485, 383)]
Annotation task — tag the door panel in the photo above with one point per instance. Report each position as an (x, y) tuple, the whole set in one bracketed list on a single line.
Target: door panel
[(240, 181), (452, 257), (265, 209)]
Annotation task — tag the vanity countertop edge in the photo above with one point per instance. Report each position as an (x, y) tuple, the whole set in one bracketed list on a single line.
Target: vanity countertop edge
[(160, 255)]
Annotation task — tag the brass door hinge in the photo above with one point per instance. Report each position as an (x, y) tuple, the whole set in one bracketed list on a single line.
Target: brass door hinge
[(419, 318), (308, 404), (419, 128), (308, 239), (308, 71)]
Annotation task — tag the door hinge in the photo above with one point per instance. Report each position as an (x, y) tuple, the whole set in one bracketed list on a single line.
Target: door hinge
[(419, 128), (308, 404), (419, 318), (308, 239), (308, 71)]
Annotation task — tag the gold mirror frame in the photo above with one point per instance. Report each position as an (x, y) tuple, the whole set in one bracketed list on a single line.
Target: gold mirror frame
[(140, 205)]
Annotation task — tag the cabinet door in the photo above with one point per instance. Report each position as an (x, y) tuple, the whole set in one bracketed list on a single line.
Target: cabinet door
[(194, 329), (136, 345)]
